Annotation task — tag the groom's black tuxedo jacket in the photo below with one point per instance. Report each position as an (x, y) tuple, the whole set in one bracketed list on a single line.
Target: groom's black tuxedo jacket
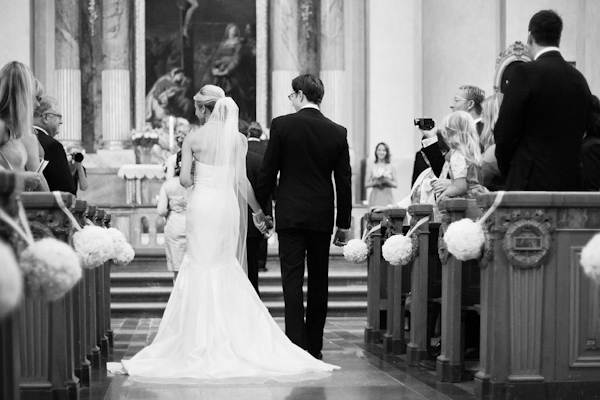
[(541, 124), (305, 148)]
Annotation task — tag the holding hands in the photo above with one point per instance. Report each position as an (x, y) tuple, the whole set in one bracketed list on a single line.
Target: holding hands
[(262, 222)]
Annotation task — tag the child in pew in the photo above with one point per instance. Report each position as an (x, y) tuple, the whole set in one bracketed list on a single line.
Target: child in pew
[(464, 158)]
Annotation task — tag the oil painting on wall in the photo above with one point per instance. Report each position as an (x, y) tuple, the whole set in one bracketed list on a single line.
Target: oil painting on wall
[(191, 43)]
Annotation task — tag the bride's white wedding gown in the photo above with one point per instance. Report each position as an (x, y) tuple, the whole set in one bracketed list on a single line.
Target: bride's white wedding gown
[(215, 326)]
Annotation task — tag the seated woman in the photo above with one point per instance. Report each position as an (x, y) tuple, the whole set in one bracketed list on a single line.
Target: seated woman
[(19, 151)]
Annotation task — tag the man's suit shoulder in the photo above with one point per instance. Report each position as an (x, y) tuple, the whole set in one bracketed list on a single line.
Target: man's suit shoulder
[(306, 115)]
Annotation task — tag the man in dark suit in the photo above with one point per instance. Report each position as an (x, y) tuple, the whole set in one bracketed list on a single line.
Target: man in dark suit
[(254, 238), (47, 119), (543, 115), (305, 148)]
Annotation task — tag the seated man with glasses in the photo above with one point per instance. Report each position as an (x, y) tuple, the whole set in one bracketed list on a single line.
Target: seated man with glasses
[(47, 119)]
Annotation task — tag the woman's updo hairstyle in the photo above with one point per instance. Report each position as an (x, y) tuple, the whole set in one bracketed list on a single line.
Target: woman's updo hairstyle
[(208, 96)]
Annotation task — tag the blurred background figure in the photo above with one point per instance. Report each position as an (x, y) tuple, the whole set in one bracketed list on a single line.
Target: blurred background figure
[(75, 156), (590, 150), (172, 203), (255, 144), (381, 177), (489, 166)]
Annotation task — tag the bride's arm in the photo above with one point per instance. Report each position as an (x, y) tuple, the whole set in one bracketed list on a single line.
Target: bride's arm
[(251, 198), (185, 176)]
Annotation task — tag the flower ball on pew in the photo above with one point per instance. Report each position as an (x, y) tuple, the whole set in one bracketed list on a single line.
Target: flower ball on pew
[(122, 251), (11, 281), (397, 250), (93, 245), (590, 258), (465, 239), (51, 269), (356, 251)]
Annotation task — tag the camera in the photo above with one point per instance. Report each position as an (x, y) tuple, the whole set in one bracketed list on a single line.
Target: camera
[(77, 157), (425, 124)]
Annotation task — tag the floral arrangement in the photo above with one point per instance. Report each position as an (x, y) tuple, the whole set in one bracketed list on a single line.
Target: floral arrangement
[(11, 281), (356, 251), (590, 258), (465, 239), (93, 245), (147, 137), (382, 173), (51, 269), (397, 250), (123, 253)]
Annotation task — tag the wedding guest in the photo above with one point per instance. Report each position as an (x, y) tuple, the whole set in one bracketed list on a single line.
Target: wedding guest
[(47, 121), (381, 177), (18, 145), (78, 173), (543, 115), (255, 144), (172, 202), (590, 150), (492, 179), (459, 132)]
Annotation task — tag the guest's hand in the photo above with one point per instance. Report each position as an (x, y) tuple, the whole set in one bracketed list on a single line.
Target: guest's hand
[(260, 221), (341, 237), (439, 185), (31, 180), (430, 133)]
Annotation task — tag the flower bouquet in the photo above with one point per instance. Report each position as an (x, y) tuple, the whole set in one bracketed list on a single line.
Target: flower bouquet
[(143, 141)]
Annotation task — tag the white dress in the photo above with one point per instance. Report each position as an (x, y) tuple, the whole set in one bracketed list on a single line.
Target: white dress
[(215, 326)]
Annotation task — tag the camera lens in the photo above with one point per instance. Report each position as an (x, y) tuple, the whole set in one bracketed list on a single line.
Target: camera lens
[(78, 157)]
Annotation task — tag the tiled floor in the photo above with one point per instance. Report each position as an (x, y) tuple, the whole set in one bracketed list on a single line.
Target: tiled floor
[(366, 373)]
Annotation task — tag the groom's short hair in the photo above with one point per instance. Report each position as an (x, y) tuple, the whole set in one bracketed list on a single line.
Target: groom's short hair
[(311, 86)]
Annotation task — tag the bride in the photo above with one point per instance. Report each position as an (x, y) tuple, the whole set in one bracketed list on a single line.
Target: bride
[(215, 326)]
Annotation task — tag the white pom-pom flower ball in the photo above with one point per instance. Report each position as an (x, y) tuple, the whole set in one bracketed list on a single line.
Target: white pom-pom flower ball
[(51, 269), (465, 239), (397, 250), (93, 246), (356, 251), (590, 258), (123, 253), (11, 281)]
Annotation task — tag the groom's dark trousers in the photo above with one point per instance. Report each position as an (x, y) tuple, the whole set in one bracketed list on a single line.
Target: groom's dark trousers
[(306, 149)]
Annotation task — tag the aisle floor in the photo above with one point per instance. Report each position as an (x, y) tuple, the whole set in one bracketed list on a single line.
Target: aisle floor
[(366, 373)]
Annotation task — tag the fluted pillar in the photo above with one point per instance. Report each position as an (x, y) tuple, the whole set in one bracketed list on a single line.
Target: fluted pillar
[(333, 72), (588, 36), (116, 98), (262, 61), (67, 75)]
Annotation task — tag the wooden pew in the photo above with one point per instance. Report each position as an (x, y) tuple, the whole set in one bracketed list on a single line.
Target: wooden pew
[(101, 338), (376, 281), (10, 368), (82, 364), (107, 314), (90, 276), (539, 311), (460, 294), (46, 328), (398, 285), (417, 348)]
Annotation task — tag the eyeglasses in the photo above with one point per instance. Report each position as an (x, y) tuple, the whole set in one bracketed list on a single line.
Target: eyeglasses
[(290, 95), (59, 116), (457, 99)]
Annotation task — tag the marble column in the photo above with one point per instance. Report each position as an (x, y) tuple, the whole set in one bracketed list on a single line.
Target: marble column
[(588, 37), (333, 72), (262, 61), (67, 75), (308, 35), (116, 98), (284, 34), (140, 63)]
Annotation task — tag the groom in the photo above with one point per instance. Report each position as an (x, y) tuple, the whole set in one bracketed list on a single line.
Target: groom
[(305, 148)]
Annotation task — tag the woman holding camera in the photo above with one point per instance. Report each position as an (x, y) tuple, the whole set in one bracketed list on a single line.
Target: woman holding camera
[(381, 176), (78, 173)]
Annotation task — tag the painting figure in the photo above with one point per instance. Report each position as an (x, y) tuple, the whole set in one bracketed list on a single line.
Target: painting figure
[(168, 96)]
